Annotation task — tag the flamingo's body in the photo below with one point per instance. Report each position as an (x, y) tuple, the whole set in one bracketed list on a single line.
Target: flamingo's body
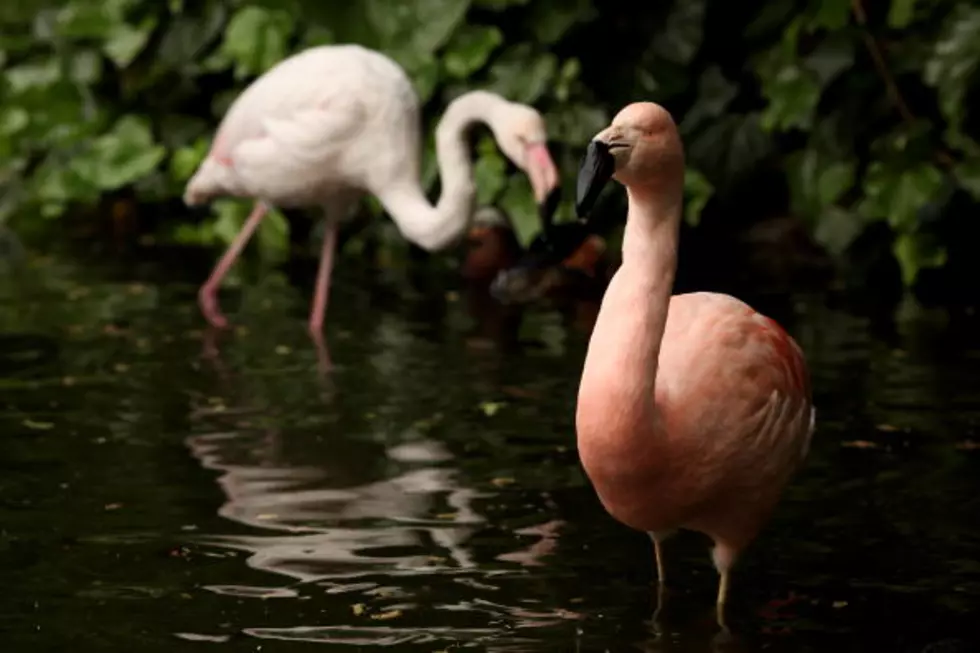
[(331, 123), (693, 410)]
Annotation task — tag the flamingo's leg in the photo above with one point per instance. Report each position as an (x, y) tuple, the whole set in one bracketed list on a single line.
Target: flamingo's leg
[(207, 296), (321, 293)]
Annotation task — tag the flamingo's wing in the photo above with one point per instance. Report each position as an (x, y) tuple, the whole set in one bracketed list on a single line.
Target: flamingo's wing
[(299, 153)]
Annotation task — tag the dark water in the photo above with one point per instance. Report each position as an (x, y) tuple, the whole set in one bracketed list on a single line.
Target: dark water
[(427, 496)]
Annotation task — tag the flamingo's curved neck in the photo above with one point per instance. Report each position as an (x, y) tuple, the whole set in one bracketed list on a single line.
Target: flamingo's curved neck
[(621, 365), (435, 227)]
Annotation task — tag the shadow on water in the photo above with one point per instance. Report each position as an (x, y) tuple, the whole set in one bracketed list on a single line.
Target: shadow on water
[(427, 497)]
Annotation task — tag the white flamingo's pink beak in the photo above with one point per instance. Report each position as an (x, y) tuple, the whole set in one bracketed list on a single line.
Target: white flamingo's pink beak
[(541, 171)]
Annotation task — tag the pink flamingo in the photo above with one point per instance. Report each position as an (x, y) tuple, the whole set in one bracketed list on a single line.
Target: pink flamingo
[(694, 410), (331, 123)]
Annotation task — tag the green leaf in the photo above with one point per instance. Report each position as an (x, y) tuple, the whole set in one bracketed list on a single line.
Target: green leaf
[(830, 14), (727, 147), (836, 229), (552, 20), (967, 174), (425, 77), (830, 58), (91, 20), (13, 120), (187, 37), (55, 185), (185, 160), (413, 31), (316, 35), (897, 195), (231, 215), (680, 37), (793, 94), (900, 13), (255, 39), (86, 67), (521, 76), (127, 41), (567, 77), (518, 203), (915, 252), (470, 48), (771, 16), (120, 157), (954, 61), (499, 4), (33, 75), (715, 92), (698, 190), (272, 237), (489, 172), (833, 181), (575, 123)]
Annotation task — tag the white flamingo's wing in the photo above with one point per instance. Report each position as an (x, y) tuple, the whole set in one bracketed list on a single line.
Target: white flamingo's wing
[(288, 162)]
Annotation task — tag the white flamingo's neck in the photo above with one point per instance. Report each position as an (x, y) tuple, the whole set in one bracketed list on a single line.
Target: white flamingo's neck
[(435, 227), (621, 364)]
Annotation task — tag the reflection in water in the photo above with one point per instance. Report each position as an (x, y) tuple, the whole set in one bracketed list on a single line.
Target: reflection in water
[(340, 531), (416, 523)]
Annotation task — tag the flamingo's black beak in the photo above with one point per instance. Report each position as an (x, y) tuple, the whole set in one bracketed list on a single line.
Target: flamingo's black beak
[(595, 172)]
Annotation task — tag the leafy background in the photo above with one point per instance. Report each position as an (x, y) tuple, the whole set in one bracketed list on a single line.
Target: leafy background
[(851, 117)]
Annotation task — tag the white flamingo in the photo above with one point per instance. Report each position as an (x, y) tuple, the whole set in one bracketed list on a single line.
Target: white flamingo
[(331, 123)]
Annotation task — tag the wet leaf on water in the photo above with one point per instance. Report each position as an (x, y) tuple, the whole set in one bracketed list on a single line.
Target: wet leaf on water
[(860, 444), (490, 408), (121, 368), (503, 481), (887, 428), (384, 616), (37, 426), (428, 422), (968, 445), (200, 637), (282, 350), (113, 506), (358, 609), (839, 604), (522, 393)]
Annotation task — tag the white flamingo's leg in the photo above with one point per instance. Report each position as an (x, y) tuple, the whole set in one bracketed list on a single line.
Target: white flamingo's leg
[(207, 296), (321, 293)]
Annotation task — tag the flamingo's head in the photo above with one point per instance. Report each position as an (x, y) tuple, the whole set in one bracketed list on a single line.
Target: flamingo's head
[(521, 133), (641, 149)]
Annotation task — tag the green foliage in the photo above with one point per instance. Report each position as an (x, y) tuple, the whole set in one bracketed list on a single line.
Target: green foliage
[(867, 111), (844, 81)]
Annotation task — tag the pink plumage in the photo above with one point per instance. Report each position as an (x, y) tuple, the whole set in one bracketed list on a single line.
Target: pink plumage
[(694, 410)]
